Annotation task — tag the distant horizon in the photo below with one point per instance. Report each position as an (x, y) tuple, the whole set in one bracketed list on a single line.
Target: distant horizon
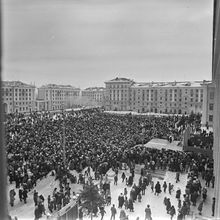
[(84, 43)]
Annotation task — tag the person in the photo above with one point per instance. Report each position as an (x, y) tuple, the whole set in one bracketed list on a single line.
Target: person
[(80, 214), (41, 208), (125, 191), (177, 177), (148, 213), (120, 200), (164, 186), (168, 205), (200, 208), (213, 206), (139, 197), (180, 216), (157, 188), (123, 176), (108, 200), (20, 193), (37, 213), (204, 193), (178, 193), (35, 197), (115, 179), (213, 181), (126, 202), (113, 212), (122, 215), (170, 188), (12, 194), (25, 195), (152, 186), (130, 205), (172, 212), (143, 187), (102, 212)]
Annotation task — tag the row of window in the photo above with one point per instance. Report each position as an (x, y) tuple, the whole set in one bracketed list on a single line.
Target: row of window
[(192, 91), (151, 99), (16, 90)]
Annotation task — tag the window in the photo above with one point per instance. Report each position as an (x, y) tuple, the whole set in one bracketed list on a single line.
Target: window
[(211, 95), (210, 117), (211, 106)]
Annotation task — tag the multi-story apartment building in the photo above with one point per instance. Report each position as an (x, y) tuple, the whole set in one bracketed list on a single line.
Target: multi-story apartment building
[(94, 95), (117, 96), (157, 97), (58, 96), (18, 97), (208, 104)]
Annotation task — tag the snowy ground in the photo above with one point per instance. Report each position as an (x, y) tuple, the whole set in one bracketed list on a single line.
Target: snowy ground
[(46, 186), (161, 143)]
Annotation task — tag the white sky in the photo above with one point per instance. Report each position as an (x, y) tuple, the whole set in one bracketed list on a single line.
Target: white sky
[(86, 42)]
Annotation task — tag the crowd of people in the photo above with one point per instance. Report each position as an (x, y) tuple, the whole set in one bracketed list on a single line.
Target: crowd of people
[(203, 139), (35, 142), (41, 143)]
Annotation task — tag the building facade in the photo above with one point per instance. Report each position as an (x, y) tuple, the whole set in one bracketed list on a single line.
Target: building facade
[(117, 96), (158, 97), (94, 95), (208, 105), (58, 96), (18, 97)]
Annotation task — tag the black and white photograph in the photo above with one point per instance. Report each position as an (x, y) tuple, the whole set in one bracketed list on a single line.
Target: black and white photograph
[(110, 110)]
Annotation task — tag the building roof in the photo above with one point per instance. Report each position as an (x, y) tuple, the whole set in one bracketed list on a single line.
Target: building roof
[(170, 84), (95, 89), (119, 79), (55, 86), (16, 84)]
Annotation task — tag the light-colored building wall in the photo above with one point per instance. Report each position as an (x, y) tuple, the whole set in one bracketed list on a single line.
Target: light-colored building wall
[(18, 97), (118, 94), (58, 96), (94, 95), (157, 97), (208, 105)]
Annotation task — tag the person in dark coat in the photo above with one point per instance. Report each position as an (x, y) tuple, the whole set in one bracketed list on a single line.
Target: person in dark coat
[(120, 200), (157, 188), (200, 207), (164, 186), (143, 188), (41, 208), (178, 193), (25, 195), (113, 212), (20, 194), (130, 205), (12, 194), (172, 212), (102, 212), (213, 206), (37, 213), (35, 197), (168, 205), (194, 198), (204, 193), (123, 176), (115, 179)]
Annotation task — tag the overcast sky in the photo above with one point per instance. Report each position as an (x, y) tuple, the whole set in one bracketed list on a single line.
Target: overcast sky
[(86, 42)]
